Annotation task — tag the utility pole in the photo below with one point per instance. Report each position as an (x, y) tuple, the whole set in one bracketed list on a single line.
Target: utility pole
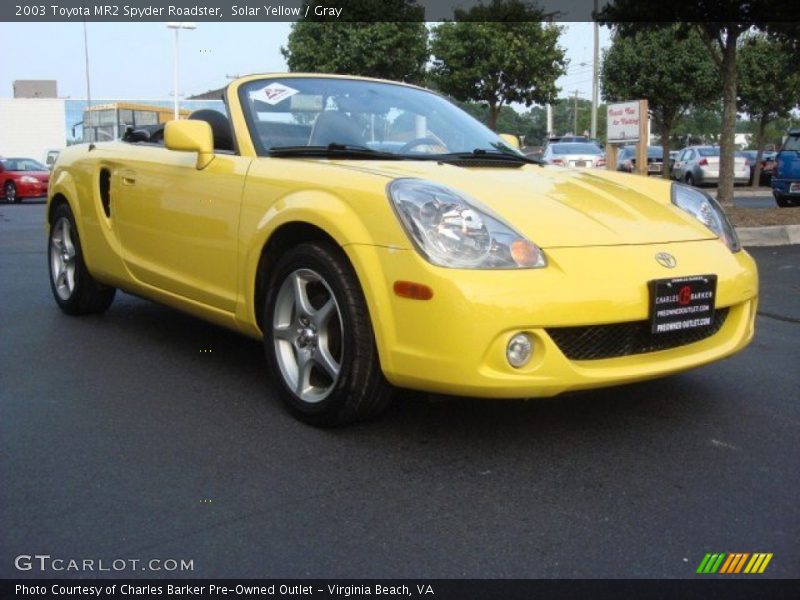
[(549, 120), (594, 72), (575, 116)]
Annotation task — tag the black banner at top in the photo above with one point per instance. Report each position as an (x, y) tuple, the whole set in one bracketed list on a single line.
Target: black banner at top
[(133, 11)]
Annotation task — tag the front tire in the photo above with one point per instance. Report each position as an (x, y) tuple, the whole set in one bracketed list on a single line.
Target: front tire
[(75, 291), (782, 201), (689, 179), (319, 340), (10, 191)]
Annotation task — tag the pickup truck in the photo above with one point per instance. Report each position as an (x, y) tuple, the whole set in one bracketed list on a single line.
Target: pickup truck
[(786, 179)]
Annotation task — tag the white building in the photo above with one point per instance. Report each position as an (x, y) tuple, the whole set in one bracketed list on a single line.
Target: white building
[(29, 127)]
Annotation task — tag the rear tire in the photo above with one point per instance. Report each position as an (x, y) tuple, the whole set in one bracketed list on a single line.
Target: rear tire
[(782, 201), (319, 341), (689, 179), (75, 291)]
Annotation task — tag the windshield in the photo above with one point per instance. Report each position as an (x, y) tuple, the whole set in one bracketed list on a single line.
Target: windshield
[(792, 143), (576, 149), (23, 164), (652, 151), (377, 116)]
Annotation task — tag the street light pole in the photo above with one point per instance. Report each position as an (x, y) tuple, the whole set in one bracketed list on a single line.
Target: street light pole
[(86, 57), (176, 62)]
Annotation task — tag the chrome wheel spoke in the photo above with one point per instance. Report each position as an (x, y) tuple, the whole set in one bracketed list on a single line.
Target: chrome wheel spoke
[(301, 301), (323, 358), (60, 276), (66, 238), (322, 316), (304, 365), (69, 278), (283, 332)]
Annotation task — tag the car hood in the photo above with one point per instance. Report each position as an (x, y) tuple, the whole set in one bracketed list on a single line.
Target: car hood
[(557, 207), (43, 176)]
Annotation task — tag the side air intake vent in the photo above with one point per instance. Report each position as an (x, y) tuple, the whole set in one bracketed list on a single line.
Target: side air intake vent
[(105, 191)]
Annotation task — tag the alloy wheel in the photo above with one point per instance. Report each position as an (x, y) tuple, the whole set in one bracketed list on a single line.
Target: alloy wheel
[(62, 258), (307, 334)]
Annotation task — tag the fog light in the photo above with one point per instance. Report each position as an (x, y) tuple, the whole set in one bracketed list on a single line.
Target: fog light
[(519, 350)]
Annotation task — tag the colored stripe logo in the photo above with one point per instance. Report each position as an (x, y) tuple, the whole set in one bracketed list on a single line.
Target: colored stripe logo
[(735, 562)]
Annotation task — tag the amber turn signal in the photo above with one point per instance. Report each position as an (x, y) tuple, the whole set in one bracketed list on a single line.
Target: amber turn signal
[(525, 253), (415, 291)]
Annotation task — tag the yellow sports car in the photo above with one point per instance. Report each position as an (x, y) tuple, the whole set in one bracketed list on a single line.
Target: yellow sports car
[(375, 236)]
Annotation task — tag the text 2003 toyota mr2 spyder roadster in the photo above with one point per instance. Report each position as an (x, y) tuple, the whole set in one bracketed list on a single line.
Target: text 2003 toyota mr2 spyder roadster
[(374, 235)]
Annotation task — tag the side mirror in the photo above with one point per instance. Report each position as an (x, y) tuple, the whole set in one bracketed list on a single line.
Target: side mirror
[(511, 140), (191, 136)]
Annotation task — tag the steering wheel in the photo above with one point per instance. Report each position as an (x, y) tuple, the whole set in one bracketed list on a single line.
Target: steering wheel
[(420, 141)]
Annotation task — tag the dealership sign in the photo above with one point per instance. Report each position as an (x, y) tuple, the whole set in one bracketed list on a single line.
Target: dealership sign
[(624, 122)]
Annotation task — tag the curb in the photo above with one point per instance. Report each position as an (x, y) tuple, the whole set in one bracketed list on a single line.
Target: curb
[(747, 193), (777, 235)]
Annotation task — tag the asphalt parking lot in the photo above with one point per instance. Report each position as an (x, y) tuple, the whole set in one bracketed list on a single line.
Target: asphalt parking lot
[(145, 434)]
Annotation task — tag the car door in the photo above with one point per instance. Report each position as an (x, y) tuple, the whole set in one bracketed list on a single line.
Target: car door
[(689, 164), (178, 224)]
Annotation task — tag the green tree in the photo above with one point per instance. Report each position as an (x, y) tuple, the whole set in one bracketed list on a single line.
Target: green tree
[(720, 24), (699, 125), (633, 68), (769, 86), (495, 62), (391, 42)]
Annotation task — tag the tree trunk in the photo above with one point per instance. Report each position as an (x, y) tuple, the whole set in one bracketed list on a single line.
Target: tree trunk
[(726, 142), (666, 132), (762, 129), (493, 110)]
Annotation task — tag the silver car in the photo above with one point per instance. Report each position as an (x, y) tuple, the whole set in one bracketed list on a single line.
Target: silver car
[(574, 154), (697, 165)]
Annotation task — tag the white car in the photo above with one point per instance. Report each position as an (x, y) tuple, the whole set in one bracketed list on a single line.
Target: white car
[(575, 154), (697, 165)]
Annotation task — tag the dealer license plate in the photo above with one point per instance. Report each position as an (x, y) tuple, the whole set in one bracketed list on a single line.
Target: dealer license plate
[(682, 303), (794, 188)]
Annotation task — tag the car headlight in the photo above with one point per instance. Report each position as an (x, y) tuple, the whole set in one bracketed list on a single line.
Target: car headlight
[(28, 179), (706, 210), (451, 230)]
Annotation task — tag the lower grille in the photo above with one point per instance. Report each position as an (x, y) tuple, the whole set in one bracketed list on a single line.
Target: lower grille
[(591, 342)]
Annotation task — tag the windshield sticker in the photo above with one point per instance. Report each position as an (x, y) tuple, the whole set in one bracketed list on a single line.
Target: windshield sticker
[(273, 94)]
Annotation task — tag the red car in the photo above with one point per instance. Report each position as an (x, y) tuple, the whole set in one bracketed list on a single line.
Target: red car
[(23, 178)]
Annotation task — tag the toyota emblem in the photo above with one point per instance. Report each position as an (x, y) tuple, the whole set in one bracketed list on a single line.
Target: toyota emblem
[(665, 259)]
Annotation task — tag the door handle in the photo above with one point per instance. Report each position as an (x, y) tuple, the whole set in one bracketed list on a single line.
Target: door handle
[(128, 177)]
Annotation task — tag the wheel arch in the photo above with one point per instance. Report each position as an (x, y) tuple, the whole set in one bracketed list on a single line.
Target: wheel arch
[(366, 270), (282, 238), (63, 190)]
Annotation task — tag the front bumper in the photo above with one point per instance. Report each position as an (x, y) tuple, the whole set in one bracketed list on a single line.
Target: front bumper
[(455, 343), (31, 190)]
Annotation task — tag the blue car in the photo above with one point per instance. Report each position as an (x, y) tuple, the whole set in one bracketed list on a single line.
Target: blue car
[(786, 179)]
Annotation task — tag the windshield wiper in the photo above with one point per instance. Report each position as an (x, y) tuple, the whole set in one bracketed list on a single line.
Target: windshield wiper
[(333, 151), (480, 154)]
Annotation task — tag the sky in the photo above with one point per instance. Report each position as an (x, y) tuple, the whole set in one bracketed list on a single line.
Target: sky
[(135, 60)]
